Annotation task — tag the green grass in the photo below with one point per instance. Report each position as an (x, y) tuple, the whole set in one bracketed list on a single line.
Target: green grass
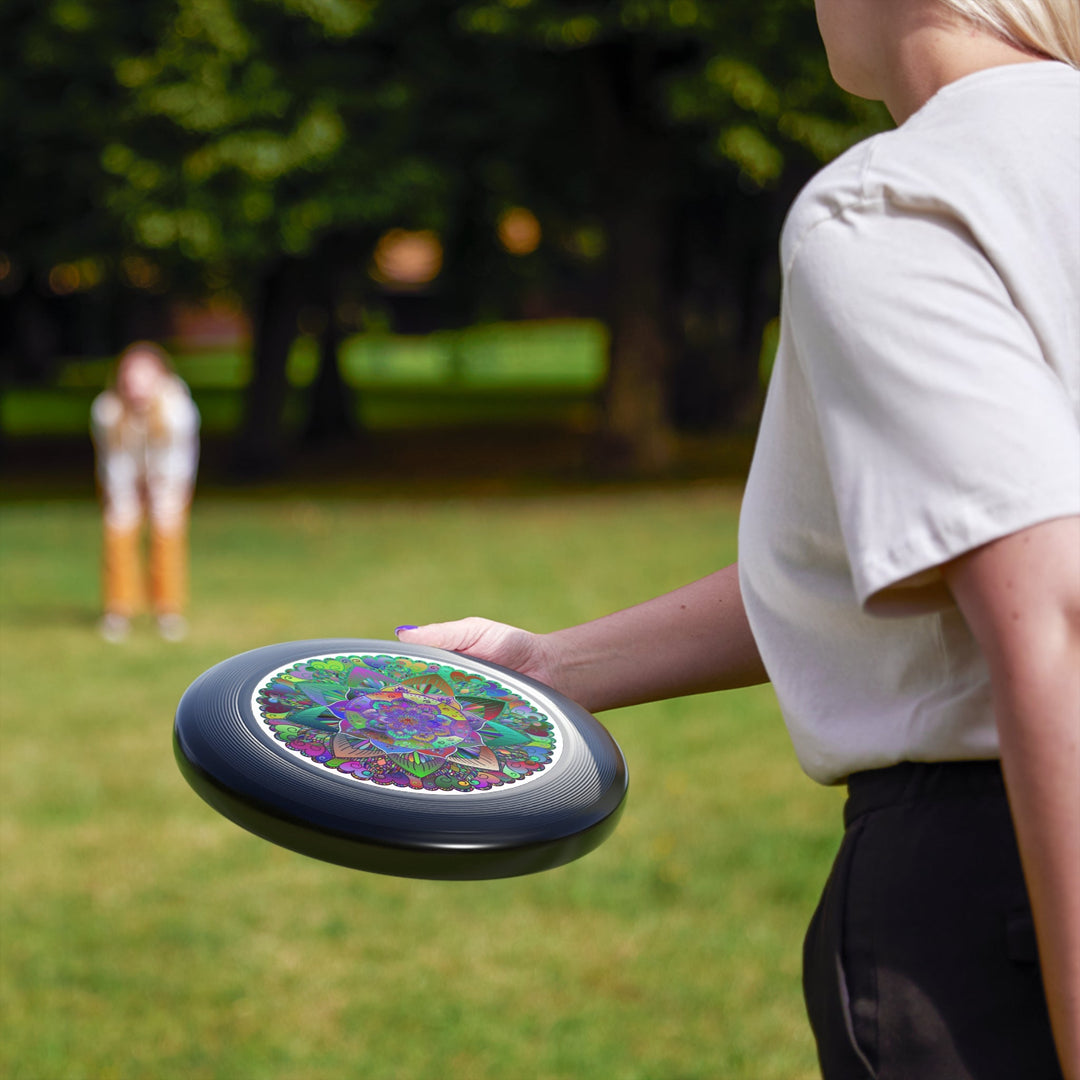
[(510, 373), (143, 936), (29, 411)]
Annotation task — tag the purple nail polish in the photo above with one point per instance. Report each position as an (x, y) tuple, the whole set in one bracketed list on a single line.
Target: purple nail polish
[(398, 629)]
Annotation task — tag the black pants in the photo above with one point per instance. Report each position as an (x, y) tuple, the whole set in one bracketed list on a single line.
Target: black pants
[(920, 961)]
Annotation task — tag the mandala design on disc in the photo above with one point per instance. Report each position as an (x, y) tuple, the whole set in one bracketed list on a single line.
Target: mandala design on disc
[(407, 723)]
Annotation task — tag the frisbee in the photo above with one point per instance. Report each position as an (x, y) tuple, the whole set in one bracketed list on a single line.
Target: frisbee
[(400, 759)]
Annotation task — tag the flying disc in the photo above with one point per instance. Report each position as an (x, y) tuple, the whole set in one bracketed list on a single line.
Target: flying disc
[(400, 759)]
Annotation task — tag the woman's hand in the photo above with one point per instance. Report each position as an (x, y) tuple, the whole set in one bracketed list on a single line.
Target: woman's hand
[(508, 646), (689, 641)]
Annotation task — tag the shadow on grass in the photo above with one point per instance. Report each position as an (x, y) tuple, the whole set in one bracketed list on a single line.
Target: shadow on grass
[(416, 464)]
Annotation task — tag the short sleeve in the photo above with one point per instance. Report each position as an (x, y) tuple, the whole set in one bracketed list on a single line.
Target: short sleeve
[(105, 414), (944, 426), (180, 413)]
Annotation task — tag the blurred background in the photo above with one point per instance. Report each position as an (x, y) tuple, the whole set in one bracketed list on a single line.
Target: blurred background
[(351, 216), (477, 301)]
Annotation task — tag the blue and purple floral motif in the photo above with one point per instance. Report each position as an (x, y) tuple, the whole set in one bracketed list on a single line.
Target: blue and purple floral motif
[(406, 723)]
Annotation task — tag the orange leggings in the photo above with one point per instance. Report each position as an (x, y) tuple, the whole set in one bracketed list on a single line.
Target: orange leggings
[(124, 585)]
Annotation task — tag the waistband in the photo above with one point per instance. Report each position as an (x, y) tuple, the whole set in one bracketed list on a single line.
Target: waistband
[(912, 781)]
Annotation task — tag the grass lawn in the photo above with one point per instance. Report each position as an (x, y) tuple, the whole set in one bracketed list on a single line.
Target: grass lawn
[(145, 937), (545, 371)]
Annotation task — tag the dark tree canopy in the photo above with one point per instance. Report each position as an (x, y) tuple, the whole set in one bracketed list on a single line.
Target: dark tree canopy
[(263, 146)]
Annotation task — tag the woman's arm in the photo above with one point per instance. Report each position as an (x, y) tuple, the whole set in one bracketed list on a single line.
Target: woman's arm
[(1021, 598), (689, 641)]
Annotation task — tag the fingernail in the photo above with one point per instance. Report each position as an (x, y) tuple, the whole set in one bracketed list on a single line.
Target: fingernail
[(398, 629)]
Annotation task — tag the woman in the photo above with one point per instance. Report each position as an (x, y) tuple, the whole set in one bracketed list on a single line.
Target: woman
[(909, 574), (146, 430)]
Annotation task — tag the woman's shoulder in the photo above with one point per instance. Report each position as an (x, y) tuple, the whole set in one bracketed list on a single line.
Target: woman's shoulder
[(106, 410), (831, 192), (176, 405), (997, 142)]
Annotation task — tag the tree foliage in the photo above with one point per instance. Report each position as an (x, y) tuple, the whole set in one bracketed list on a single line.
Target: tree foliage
[(264, 145)]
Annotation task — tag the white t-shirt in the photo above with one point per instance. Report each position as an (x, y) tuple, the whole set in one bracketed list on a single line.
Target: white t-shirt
[(925, 400), (145, 464)]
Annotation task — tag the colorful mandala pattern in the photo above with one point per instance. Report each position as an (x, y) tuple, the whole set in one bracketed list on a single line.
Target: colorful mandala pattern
[(408, 723)]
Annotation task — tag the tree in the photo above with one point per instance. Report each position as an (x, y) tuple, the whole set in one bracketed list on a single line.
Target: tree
[(278, 139), (688, 107), (59, 108), (262, 146)]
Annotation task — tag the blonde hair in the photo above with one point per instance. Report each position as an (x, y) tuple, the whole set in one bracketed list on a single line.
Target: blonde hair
[(1048, 27)]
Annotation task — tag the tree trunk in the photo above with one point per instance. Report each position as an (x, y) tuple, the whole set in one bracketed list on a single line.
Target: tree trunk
[(635, 191), (727, 283), (331, 415), (35, 337), (636, 421), (262, 444)]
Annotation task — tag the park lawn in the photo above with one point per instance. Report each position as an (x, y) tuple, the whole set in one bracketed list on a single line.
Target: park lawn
[(144, 936), (540, 371)]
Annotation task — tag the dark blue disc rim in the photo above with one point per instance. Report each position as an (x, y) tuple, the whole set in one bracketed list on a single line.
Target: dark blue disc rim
[(225, 753)]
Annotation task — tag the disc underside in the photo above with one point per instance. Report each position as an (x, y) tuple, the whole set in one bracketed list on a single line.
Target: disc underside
[(399, 759)]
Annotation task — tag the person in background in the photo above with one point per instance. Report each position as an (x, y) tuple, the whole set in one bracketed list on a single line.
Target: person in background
[(146, 438), (909, 549)]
